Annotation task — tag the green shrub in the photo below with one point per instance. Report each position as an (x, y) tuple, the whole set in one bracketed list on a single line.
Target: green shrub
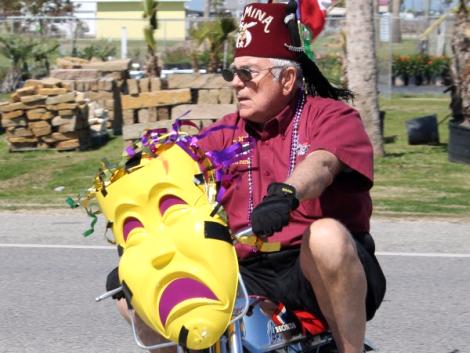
[(28, 56), (101, 49)]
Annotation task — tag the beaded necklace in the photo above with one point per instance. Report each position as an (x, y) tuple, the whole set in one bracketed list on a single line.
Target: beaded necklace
[(292, 154)]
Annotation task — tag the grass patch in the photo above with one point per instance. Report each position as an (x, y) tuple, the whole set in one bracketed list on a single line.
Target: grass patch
[(419, 180), (28, 179), (415, 181)]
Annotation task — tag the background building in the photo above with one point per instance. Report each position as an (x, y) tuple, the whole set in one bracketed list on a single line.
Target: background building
[(105, 19)]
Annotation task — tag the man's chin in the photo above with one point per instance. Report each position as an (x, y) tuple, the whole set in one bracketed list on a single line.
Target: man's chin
[(248, 115)]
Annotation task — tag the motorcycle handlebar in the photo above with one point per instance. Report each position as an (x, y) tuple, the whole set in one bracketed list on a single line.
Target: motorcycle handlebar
[(244, 233)]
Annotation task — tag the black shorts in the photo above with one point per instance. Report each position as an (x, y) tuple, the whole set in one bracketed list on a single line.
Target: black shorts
[(278, 276)]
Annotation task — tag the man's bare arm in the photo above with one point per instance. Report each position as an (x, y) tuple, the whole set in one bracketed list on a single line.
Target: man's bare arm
[(314, 174)]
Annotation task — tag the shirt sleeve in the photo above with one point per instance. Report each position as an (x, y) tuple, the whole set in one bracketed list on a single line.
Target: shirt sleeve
[(336, 127)]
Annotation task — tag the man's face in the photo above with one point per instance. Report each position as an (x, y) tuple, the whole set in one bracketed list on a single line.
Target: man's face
[(260, 98)]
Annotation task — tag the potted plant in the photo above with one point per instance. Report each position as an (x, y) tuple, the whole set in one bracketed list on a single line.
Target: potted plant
[(438, 67), (459, 126), (401, 69)]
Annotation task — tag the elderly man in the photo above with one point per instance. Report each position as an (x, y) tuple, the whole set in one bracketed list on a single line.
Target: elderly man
[(306, 182)]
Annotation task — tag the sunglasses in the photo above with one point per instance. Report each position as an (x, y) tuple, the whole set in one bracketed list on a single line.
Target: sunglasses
[(245, 74)]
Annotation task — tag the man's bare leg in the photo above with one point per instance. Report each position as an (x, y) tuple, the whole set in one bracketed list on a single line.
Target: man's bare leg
[(330, 262), (145, 333)]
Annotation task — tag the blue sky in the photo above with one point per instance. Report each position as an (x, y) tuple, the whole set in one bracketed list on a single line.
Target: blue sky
[(195, 4), (418, 5)]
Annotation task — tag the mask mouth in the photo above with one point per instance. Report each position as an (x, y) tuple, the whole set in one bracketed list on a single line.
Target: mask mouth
[(179, 290)]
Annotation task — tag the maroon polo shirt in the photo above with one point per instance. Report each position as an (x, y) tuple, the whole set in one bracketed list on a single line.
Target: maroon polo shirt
[(325, 124)]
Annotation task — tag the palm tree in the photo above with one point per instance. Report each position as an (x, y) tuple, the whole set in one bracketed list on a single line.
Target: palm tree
[(18, 50), (459, 126), (150, 13), (214, 34), (460, 66), (362, 67)]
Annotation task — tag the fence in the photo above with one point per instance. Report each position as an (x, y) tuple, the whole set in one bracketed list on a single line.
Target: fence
[(125, 36)]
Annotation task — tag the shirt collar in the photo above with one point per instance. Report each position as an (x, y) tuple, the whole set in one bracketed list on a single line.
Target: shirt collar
[(274, 126)]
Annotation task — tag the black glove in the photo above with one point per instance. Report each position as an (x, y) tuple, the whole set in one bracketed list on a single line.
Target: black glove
[(112, 282), (272, 214)]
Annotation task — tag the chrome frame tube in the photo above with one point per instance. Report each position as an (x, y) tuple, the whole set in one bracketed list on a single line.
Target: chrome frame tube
[(141, 344), (247, 300), (223, 344), (235, 338)]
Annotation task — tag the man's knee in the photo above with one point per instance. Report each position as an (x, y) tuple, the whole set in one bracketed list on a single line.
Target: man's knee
[(329, 243)]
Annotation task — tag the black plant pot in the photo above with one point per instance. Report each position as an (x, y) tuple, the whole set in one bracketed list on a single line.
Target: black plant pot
[(423, 130), (459, 143)]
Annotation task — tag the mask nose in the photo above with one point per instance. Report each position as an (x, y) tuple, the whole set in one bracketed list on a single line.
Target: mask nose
[(163, 253), (162, 260)]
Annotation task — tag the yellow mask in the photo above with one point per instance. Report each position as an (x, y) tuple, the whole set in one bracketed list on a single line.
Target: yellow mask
[(178, 267)]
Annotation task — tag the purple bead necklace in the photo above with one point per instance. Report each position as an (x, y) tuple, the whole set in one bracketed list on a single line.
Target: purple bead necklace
[(294, 145)]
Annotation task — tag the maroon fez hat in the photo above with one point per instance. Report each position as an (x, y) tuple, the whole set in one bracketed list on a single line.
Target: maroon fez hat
[(264, 33)]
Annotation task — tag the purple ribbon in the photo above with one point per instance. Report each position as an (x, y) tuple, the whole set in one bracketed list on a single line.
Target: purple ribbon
[(130, 151), (215, 128)]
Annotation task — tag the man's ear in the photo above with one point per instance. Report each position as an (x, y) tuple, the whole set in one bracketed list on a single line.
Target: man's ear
[(288, 79)]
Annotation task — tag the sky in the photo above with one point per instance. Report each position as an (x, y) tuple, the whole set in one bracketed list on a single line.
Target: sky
[(418, 5)]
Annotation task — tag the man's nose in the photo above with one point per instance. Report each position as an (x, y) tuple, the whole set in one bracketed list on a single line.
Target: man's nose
[(236, 82)]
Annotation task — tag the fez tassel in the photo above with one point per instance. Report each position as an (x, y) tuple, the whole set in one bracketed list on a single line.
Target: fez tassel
[(313, 14)]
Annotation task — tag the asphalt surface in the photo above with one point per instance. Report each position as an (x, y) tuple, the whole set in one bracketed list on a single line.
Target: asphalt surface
[(50, 275)]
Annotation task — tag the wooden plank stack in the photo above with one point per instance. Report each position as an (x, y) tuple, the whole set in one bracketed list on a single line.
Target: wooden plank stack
[(45, 114), (205, 88), (101, 81), (147, 105)]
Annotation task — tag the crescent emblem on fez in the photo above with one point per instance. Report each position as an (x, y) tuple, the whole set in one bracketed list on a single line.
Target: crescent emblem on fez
[(244, 35)]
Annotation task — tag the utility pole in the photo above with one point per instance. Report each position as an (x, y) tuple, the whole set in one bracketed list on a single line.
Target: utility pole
[(427, 9), (207, 9)]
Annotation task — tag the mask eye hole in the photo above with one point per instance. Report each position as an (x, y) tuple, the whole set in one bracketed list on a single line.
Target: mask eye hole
[(170, 200), (129, 225)]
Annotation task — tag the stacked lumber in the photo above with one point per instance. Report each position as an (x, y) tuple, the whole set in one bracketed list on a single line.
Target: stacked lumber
[(45, 114), (206, 88), (147, 105), (145, 102), (117, 69), (106, 94), (101, 81)]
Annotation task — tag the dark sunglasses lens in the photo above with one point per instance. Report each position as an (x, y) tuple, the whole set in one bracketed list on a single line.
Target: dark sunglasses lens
[(244, 74), (228, 75)]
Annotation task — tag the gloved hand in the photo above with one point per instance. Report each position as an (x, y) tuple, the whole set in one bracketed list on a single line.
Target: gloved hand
[(112, 282), (272, 214)]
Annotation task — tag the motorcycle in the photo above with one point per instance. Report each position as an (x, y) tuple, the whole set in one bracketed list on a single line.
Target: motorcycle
[(178, 268)]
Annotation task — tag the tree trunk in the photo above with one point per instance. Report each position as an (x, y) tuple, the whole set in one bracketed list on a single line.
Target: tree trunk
[(194, 62), (460, 65), (396, 26), (362, 67), (11, 80), (151, 66), (213, 62)]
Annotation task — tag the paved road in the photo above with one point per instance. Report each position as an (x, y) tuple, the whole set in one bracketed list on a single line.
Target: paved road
[(47, 293)]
